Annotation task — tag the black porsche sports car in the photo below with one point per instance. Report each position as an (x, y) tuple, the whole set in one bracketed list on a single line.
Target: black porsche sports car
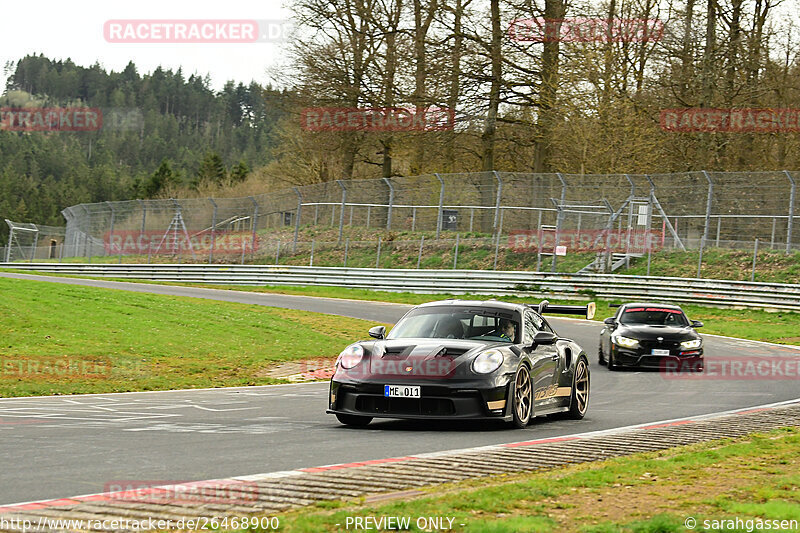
[(651, 335), (462, 359)]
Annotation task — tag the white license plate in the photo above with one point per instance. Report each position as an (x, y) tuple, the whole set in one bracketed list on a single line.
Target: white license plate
[(657, 351), (401, 391)]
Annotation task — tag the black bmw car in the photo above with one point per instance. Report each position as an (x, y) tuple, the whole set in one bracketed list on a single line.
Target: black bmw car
[(651, 335), (461, 359)]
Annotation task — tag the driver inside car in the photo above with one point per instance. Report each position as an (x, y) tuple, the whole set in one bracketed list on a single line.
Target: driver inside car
[(507, 330)]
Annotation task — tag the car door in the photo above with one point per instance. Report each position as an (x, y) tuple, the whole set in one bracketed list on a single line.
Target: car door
[(544, 361)]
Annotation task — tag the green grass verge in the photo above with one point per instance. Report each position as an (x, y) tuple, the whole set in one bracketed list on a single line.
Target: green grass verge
[(66, 339), (755, 477)]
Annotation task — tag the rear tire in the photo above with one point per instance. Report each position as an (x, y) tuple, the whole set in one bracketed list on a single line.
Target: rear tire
[(522, 401), (354, 420), (579, 402)]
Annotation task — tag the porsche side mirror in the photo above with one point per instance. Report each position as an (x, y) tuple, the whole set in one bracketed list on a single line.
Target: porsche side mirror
[(378, 332), (544, 338), (697, 324)]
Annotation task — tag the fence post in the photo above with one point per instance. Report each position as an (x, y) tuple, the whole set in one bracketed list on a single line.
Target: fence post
[(497, 243), (700, 260), (497, 201), (421, 244), (311, 261), (378, 258), (278, 252), (346, 250), (559, 217), (791, 212), (111, 229), (755, 255), (86, 250), (719, 225), (391, 203), (772, 238), (297, 218), (35, 243), (341, 211), (255, 223), (441, 205), (213, 231), (455, 256), (708, 207), (10, 238)]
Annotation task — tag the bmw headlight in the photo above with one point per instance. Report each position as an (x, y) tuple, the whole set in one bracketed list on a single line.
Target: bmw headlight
[(627, 342), (350, 356), (487, 362), (692, 344)]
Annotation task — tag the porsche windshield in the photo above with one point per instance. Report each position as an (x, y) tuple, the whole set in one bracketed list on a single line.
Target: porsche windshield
[(654, 316), (461, 323)]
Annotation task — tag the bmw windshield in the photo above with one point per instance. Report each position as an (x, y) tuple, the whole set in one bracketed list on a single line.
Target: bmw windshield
[(654, 316)]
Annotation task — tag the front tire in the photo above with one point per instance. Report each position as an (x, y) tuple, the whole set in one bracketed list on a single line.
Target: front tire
[(601, 359), (353, 420), (579, 402), (522, 406), (612, 363)]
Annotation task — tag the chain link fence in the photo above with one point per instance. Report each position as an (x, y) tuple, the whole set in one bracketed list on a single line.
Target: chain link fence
[(546, 215)]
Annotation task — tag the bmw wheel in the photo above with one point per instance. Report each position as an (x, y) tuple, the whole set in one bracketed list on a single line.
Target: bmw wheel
[(580, 391), (353, 420), (601, 359), (522, 409), (612, 363)]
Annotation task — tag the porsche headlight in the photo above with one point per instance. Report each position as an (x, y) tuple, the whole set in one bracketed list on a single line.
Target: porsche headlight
[(487, 362), (625, 341), (350, 356), (692, 344)]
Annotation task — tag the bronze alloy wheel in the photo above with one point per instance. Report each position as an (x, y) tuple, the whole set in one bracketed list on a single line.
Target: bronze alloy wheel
[(580, 390), (523, 397)]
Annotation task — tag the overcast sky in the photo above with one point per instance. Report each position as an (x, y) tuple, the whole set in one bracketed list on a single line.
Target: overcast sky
[(61, 29)]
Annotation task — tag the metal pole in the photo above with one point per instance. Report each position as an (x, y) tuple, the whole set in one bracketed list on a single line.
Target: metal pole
[(10, 238), (255, 223), (559, 217), (341, 213), (708, 207), (648, 260), (497, 244), (700, 260), (441, 205), (421, 244), (471, 218), (244, 249), (111, 229), (455, 255), (772, 239), (346, 250), (351, 216), (311, 262), (497, 201), (719, 224), (297, 218), (316, 213), (755, 255), (213, 231), (378, 258), (35, 243), (413, 218), (391, 203), (791, 212), (278, 252), (369, 213)]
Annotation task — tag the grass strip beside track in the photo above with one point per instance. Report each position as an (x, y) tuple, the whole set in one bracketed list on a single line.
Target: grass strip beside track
[(67, 339), (755, 477)]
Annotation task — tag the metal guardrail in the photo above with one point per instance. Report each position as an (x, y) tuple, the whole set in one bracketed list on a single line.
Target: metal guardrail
[(718, 293)]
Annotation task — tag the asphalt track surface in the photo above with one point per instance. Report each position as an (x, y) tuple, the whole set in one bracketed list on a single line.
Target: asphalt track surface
[(54, 447)]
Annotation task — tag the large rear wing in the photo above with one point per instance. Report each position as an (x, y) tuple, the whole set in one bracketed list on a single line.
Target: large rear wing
[(587, 310)]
